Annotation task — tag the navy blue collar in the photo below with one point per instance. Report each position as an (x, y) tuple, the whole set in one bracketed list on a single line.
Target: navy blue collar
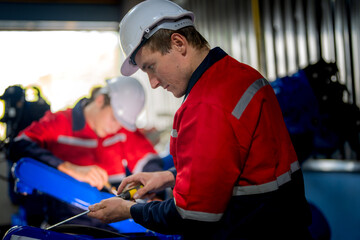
[(213, 56), (78, 118)]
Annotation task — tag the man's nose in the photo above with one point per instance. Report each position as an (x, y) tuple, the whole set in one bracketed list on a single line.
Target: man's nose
[(154, 82)]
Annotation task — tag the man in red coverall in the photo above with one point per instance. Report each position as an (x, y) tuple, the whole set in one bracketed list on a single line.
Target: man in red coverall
[(236, 173), (95, 142)]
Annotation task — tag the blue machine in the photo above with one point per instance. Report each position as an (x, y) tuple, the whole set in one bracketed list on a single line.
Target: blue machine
[(333, 186), (32, 175)]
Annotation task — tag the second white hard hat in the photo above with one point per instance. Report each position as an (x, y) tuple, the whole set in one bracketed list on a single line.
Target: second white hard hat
[(142, 21), (127, 99)]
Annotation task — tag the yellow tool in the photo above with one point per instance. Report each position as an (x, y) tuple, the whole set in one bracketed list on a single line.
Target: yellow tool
[(129, 193)]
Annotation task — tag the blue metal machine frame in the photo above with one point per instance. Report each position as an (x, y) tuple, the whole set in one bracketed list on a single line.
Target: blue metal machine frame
[(32, 175)]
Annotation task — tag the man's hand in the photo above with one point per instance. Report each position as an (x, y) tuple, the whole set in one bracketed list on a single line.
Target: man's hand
[(94, 175), (111, 210), (152, 181)]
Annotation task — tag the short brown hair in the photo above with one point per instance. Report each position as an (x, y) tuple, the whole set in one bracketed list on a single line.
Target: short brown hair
[(96, 92), (160, 41)]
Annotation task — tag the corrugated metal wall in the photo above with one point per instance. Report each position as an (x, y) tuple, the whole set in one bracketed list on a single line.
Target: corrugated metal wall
[(279, 37)]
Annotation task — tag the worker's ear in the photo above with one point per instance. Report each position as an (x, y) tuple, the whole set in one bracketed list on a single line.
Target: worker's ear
[(179, 43), (100, 100)]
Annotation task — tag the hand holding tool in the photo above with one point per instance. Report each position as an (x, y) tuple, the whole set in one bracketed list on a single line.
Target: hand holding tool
[(126, 195)]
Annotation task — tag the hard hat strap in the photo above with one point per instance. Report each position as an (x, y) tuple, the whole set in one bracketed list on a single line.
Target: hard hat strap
[(167, 24), (164, 24)]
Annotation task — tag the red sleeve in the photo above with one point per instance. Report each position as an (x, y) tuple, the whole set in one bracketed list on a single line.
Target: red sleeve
[(34, 140), (206, 157), (46, 129)]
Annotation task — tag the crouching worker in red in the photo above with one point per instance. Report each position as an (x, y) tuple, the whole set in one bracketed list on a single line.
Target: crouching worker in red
[(95, 142), (237, 174)]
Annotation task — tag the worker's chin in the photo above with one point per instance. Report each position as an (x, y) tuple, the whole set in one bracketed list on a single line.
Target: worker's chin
[(178, 95)]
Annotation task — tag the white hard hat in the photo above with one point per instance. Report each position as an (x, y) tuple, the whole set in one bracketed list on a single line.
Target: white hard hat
[(142, 21), (127, 99)]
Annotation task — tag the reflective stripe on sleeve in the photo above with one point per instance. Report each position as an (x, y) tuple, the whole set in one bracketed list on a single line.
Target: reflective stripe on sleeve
[(142, 162), (247, 96), (174, 133), (116, 178), (23, 137), (267, 187), (73, 141), (199, 216)]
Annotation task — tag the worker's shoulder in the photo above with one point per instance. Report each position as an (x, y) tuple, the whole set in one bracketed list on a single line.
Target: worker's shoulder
[(236, 71), (63, 115), (225, 80)]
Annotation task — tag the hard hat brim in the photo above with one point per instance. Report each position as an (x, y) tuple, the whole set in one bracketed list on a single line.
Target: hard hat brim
[(127, 68), (130, 127)]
